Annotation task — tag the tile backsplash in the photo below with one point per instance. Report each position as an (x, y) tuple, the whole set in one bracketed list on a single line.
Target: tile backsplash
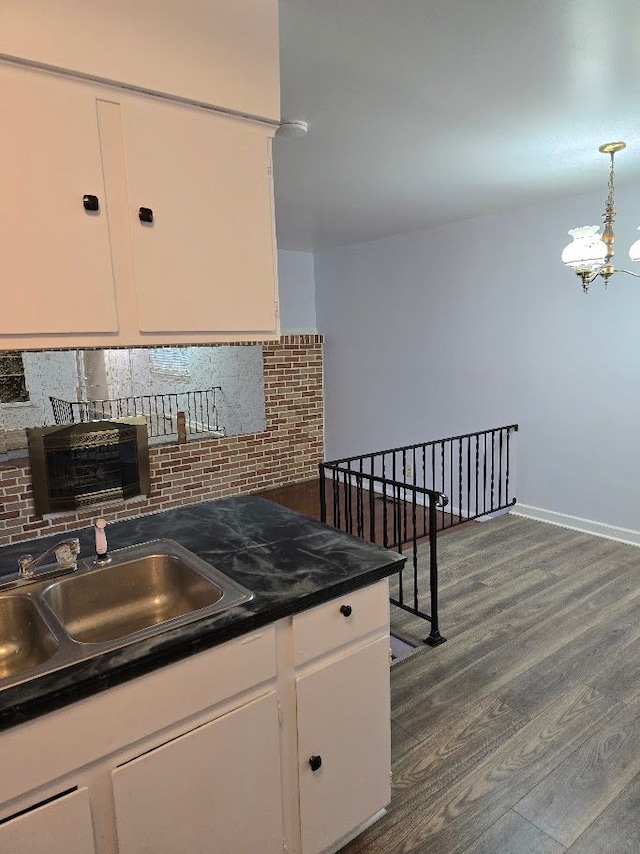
[(288, 451)]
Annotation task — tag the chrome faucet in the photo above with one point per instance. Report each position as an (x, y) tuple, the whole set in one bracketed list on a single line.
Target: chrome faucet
[(65, 553)]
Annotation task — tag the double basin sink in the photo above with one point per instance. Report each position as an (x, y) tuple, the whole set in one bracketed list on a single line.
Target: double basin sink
[(144, 590)]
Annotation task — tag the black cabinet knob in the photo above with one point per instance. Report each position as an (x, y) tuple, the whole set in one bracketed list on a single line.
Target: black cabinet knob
[(346, 610), (145, 215), (315, 762), (91, 203)]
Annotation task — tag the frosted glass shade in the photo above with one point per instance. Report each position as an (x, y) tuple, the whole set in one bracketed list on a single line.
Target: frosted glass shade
[(634, 252), (587, 251)]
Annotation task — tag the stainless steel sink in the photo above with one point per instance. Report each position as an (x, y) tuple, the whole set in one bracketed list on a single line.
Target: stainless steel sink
[(143, 591), (145, 587), (25, 639), (142, 588)]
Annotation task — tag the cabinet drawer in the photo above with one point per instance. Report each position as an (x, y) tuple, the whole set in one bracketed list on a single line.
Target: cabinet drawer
[(341, 621)]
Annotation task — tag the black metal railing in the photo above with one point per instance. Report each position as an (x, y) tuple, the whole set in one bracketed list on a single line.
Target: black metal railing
[(399, 497), (160, 410)]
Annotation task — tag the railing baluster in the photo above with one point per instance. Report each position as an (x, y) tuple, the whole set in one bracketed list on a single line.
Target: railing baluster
[(493, 448), (506, 482), (360, 504), (323, 494), (372, 508), (414, 549), (424, 483), (468, 477), (434, 638), (477, 469), (451, 483), (460, 478), (348, 515), (385, 518), (500, 472), (484, 475)]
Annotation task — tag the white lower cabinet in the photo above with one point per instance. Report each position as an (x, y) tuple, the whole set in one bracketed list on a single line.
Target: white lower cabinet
[(63, 824), (343, 733), (215, 789), (211, 754)]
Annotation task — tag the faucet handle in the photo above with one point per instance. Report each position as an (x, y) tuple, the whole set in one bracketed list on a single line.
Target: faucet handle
[(25, 569), (67, 553)]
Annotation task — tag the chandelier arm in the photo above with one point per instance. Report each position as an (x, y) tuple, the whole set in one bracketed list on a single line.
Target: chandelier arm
[(628, 272), (590, 279)]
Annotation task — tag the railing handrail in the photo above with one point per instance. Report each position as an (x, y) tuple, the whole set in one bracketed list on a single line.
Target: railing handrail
[(129, 397), (440, 497), (428, 444)]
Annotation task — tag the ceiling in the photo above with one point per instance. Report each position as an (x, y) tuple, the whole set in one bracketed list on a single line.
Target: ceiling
[(424, 112)]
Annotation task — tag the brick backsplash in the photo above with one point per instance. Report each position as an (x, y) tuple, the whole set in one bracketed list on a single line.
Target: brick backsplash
[(288, 451)]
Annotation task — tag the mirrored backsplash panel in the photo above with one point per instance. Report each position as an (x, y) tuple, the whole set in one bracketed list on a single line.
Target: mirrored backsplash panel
[(220, 390), (287, 451)]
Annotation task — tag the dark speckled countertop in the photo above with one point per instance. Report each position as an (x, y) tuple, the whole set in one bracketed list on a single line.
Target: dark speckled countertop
[(288, 561)]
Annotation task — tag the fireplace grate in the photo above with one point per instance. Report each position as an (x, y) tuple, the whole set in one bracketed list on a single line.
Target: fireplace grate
[(85, 464)]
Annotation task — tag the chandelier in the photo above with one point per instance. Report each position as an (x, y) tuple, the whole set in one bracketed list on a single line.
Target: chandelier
[(590, 253)]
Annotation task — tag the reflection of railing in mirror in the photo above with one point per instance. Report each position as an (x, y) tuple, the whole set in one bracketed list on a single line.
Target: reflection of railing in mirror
[(160, 410)]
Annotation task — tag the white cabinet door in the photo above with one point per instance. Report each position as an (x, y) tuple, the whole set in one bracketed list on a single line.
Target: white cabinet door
[(55, 258), (61, 825), (216, 789), (207, 261), (344, 733)]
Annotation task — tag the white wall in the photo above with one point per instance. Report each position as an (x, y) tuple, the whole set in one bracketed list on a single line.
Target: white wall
[(478, 324), (238, 370), (49, 373), (297, 292)]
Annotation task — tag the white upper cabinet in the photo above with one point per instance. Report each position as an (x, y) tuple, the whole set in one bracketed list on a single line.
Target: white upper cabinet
[(199, 265), (181, 247), (218, 52)]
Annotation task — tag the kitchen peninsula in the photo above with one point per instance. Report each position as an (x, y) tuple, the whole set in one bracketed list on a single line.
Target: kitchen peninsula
[(277, 709)]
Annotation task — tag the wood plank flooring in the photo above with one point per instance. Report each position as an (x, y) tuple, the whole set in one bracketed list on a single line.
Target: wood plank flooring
[(521, 734), (388, 523)]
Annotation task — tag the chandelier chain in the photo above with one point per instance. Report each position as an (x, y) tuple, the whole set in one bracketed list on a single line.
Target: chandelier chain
[(611, 182)]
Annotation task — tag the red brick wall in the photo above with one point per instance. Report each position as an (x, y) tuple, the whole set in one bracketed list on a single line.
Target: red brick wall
[(288, 451)]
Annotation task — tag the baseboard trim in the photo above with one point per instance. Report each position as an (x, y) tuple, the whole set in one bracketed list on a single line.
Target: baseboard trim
[(575, 523)]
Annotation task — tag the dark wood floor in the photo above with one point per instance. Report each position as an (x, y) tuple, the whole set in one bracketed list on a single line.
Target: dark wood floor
[(521, 734), (388, 522)]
